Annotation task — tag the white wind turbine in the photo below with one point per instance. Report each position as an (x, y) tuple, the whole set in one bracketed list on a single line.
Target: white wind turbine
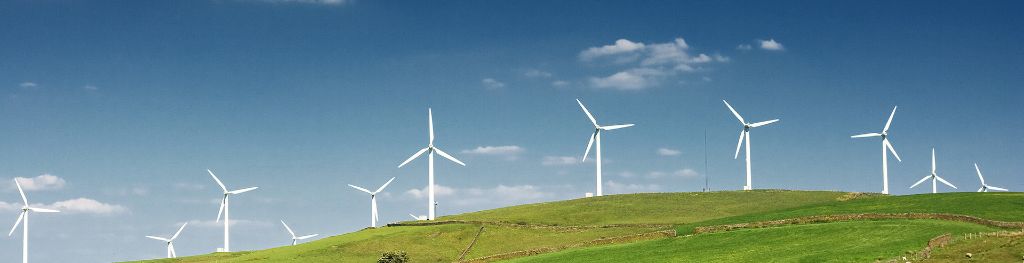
[(24, 217), (170, 241), (934, 176), (224, 209), (373, 200), (415, 217), (430, 150), (886, 147), (596, 136), (986, 187), (745, 139), (295, 239)]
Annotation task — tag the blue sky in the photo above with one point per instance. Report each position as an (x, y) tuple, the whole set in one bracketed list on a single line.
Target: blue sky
[(116, 108)]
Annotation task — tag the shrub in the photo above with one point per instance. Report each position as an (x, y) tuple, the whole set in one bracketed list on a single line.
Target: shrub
[(393, 257)]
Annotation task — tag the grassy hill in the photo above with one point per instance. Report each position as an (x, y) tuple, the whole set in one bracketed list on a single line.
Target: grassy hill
[(612, 229)]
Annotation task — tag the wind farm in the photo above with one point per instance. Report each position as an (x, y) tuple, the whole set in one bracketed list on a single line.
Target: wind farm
[(311, 111)]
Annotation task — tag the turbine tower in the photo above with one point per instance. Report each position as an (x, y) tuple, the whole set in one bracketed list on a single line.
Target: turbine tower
[(23, 217), (295, 239), (745, 139), (886, 148), (225, 208), (170, 241), (986, 187), (596, 136), (934, 176), (373, 200), (430, 150)]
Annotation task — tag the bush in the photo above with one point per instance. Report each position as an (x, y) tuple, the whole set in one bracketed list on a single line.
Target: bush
[(393, 257)]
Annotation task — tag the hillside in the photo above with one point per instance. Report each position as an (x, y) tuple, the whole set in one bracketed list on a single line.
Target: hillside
[(627, 227)]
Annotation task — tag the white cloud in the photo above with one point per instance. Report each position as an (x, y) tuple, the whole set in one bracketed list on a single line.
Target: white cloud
[(492, 84), (28, 85), (621, 46), (136, 191), (744, 47), (560, 83), (439, 190), (686, 173), (620, 188), (318, 2), (234, 222), (770, 44), (189, 186), (10, 207), (559, 160), (627, 174), (633, 79), (90, 88), (668, 152), (509, 152), (536, 73), (73, 206), (40, 183)]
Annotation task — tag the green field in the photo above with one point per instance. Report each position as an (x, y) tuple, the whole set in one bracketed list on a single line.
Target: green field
[(567, 226)]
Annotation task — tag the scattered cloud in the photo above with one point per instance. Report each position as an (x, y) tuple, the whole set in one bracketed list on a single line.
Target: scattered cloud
[(439, 190), (86, 206), (189, 186), (656, 61), (559, 84), (40, 183), (770, 44), (686, 173), (28, 85), (668, 152), (744, 47), (613, 187), (621, 46), (509, 152), (627, 174), (492, 84), (132, 191), (536, 73), (559, 160), (90, 88)]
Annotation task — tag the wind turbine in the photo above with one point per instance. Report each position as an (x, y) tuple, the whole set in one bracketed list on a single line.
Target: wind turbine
[(24, 217), (745, 139), (886, 146), (225, 207), (597, 137), (986, 187), (295, 239), (415, 217), (373, 200), (934, 177), (170, 241), (430, 150)]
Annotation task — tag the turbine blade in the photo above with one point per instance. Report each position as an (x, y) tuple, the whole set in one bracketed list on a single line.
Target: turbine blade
[(889, 145), (981, 189), (306, 236), (921, 181), (383, 186), (763, 123), (23, 198), (361, 189), (16, 223), (288, 228), (739, 144), (979, 173), (159, 238), (239, 191), (945, 182), (430, 124), (449, 157), (998, 188), (417, 154), (873, 134), (217, 180), (42, 210), (221, 211), (591, 117), (589, 144), (890, 119), (414, 217), (737, 114), (615, 127), (179, 231), (933, 160)]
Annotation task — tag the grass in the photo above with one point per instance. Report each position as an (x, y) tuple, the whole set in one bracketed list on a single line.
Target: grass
[(861, 241), (985, 249), (641, 213)]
